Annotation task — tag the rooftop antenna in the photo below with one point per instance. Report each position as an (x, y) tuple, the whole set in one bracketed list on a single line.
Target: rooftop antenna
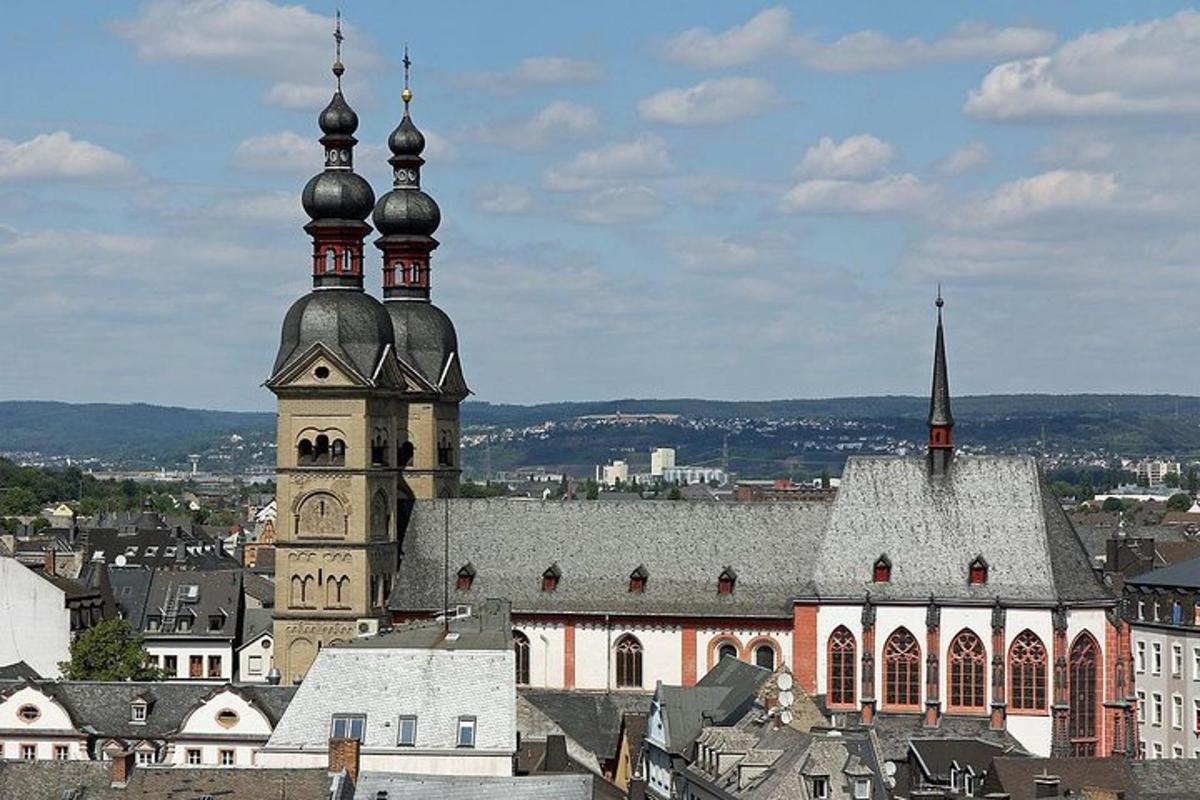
[(407, 94), (338, 67)]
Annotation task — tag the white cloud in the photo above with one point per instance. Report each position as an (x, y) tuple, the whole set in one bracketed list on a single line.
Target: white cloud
[(1138, 69), (768, 33), (285, 43), (617, 205), (1055, 191), (966, 158), (285, 151), (892, 193), (274, 207), (710, 102), (555, 69), (504, 199), (437, 147), (711, 253), (562, 120), (853, 157), (765, 34), (57, 156), (644, 156)]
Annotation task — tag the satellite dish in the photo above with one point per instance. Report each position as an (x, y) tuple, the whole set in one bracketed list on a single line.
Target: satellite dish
[(786, 716), (786, 699), (120, 560), (784, 681)]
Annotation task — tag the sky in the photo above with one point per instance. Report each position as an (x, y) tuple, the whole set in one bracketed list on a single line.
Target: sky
[(703, 199)]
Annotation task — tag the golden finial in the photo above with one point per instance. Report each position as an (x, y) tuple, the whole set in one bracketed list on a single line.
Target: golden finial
[(406, 95), (338, 68)]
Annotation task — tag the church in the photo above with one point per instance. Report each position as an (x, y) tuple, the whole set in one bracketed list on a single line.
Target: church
[(936, 586)]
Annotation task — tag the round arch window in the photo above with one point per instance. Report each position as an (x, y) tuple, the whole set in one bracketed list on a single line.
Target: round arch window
[(727, 650), (227, 718), (28, 713), (764, 656)]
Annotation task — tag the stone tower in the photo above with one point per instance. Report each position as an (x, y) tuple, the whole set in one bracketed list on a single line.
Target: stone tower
[(426, 344), (336, 379)]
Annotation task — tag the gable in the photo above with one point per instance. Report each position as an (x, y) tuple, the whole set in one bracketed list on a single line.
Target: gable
[(52, 716), (211, 717), (318, 368)]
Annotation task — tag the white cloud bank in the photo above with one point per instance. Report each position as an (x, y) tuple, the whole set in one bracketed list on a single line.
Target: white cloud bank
[(60, 157), (710, 102)]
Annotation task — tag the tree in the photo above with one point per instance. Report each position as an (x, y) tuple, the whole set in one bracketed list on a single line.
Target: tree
[(1193, 481), (39, 524), (109, 651), (1171, 479), (591, 489), (674, 494), (1112, 504), (1179, 501)]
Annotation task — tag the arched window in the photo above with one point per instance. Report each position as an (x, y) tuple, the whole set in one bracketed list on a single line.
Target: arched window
[(321, 452), (629, 662), (416, 274), (296, 592), (843, 661), (764, 656), (727, 650), (379, 450), (337, 452), (521, 649), (902, 671), (330, 260), (968, 673), (304, 452), (1027, 673), (1082, 682), (347, 260)]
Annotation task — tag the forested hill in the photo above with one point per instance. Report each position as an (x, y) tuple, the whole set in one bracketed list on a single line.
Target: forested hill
[(139, 433)]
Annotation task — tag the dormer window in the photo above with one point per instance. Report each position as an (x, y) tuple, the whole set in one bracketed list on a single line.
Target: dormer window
[(550, 578), (466, 576), (184, 623), (637, 580), (216, 623), (882, 572), (820, 787), (978, 571), (137, 711), (727, 581)]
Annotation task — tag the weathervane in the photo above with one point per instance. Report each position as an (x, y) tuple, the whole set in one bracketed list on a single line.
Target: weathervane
[(338, 69)]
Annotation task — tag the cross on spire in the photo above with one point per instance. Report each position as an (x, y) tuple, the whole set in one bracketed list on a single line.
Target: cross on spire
[(407, 94), (338, 68)]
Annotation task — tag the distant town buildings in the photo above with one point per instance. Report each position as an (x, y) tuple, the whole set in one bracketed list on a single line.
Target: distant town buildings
[(661, 459), (1151, 471)]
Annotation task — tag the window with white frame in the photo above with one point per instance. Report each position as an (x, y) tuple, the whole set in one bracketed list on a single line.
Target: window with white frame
[(62, 752), (820, 787), (1140, 650), (347, 726), (407, 732), (226, 759), (254, 665), (193, 756), (1156, 750), (29, 752), (1141, 707), (1177, 711), (145, 757), (862, 789), (466, 732), (1196, 716), (1177, 660), (1156, 658), (1177, 751), (1196, 663), (1156, 709)]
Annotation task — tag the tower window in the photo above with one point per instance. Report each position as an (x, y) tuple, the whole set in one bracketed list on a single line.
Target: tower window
[(347, 261), (337, 452), (321, 452), (330, 260)]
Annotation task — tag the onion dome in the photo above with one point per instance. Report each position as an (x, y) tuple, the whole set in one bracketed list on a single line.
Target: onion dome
[(406, 140), (338, 118), (406, 210)]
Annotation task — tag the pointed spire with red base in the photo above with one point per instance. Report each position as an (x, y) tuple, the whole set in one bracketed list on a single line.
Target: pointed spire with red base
[(941, 421)]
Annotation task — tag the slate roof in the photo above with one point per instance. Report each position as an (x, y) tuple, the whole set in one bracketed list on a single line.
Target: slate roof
[(17, 671), (931, 528), (593, 719), (893, 732), (55, 780), (255, 622), (157, 548), (1185, 575), (938, 755), (487, 627), (1015, 775), (219, 596), (130, 587), (173, 783), (259, 587), (446, 787), (724, 694), (684, 547), (1166, 779)]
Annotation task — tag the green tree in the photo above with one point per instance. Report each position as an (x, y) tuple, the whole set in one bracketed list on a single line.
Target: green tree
[(1193, 481), (1179, 501), (39, 524), (1171, 480), (1112, 504), (674, 494), (591, 489), (109, 651)]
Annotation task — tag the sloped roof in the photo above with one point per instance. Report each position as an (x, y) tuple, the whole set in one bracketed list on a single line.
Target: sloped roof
[(1183, 575), (54, 780), (932, 527), (721, 696), (463, 787), (1166, 779), (593, 719), (1015, 775), (219, 595), (893, 732), (684, 547), (172, 783)]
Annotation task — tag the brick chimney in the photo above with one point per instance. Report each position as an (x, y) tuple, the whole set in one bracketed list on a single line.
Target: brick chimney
[(122, 767), (48, 561), (343, 755)]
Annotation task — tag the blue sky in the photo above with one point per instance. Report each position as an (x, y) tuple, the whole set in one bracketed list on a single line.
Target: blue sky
[(639, 199)]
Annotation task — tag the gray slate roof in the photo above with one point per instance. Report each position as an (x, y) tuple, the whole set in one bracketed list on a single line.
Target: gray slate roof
[(931, 528), (220, 596), (893, 732), (1185, 575), (593, 719), (721, 697), (1166, 779), (255, 622), (173, 783), (53, 780), (421, 787), (684, 547)]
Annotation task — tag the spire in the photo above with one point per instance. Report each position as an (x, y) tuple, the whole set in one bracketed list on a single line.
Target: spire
[(407, 94), (941, 421), (337, 200)]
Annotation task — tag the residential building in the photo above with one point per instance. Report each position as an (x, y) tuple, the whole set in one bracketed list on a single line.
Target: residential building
[(1151, 471), (420, 699), (661, 459), (256, 647), (191, 621), (689, 475), (613, 474), (1164, 619)]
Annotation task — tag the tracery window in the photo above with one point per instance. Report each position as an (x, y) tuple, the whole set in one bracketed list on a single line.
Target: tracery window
[(1082, 682), (629, 662), (1027, 663), (902, 671), (968, 672), (521, 650), (843, 661)]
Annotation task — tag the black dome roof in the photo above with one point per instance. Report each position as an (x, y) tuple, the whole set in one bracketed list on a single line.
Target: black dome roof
[(406, 140), (407, 212), (352, 324), (338, 194), (424, 336), (338, 118)]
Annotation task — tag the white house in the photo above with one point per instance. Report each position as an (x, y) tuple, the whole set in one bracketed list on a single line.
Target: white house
[(418, 700), (227, 727)]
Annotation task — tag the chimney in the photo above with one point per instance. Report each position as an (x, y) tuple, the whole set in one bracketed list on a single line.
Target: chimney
[(1045, 786), (556, 753), (343, 755), (48, 561), (122, 767)]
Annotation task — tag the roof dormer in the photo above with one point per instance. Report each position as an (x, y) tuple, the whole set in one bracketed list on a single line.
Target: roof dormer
[(466, 576), (550, 578), (978, 571), (882, 571), (638, 579), (726, 581)]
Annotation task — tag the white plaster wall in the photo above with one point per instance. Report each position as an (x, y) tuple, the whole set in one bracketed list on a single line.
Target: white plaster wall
[(53, 716), (203, 721), (546, 650), (591, 656), (255, 648), (185, 649), (662, 655), (829, 617), (10, 748), (408, 761), (1035, 734), (887, 620), (35, 626), (210, 752)]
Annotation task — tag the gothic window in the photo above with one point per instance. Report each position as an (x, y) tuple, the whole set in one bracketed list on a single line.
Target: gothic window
[(902, 671), (968, 672), (379, 450), (381, 518), (1082, 683), (764, 656), (330, 260), (629, 662), (521, 649), (883, 570), (445, 450), (1027, 673), (843, 661)]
